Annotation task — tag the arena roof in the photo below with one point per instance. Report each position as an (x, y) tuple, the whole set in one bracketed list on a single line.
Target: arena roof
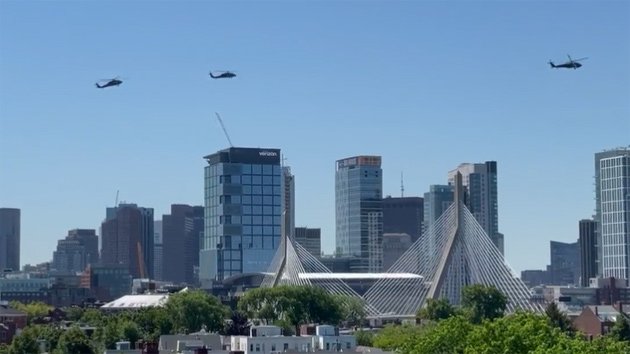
[(359, 276), (137, 301)]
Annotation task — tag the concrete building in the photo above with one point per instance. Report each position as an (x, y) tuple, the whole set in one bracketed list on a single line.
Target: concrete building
[(359, 210), (403, 215), (436, 201), (74, 253), (565, 263), (588, 251), (288, 199), (127, 235), (9, 239), (481, 197), (182, 231), (269, 339), (243, 208), (612, 209), (158, 251), (311, 239), (394, 245)]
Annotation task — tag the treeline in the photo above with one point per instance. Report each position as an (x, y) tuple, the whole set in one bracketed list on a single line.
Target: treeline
[(480, 326), (186, 312)]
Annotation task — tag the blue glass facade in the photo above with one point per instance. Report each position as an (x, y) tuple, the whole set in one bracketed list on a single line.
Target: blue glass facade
[(359, 211), (242, 212)]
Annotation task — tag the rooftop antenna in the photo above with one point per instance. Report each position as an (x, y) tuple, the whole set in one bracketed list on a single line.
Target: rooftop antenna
[(402, 186), (224, 130), (116, 202)]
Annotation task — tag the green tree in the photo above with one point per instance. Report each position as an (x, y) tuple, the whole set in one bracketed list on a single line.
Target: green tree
[(35, 311), (190, 311), (74, 313), (558, 319), (436, 310), (4, 349), (74, 341), (449, 335), (353, 310), (292, 304), (129, 331), (364, 338), (153, 322), (25, 342), (93, 317), (395, 338), (238, 325), (621, 329), (483, 302)]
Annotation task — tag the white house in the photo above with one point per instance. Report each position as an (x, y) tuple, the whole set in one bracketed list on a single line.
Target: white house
[(269, 340)]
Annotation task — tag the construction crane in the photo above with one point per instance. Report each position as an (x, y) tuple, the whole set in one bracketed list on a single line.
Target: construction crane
[(224, 130)]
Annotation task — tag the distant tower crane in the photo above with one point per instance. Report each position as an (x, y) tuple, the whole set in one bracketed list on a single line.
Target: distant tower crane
[(224, 130)]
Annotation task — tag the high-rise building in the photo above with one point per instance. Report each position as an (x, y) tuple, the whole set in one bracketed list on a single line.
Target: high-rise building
[(243, 208), (158, 263), (403, 215), (436, 201), (288, 199), (9, 239), (612, 211), (181, 234), (311, 239), (359, 210), (588, 251), (74, 253), (480, 195), (394, 246), (565, 263), (127, 239)]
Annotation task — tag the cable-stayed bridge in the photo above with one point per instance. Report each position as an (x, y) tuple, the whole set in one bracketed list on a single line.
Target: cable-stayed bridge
[(452, 253)]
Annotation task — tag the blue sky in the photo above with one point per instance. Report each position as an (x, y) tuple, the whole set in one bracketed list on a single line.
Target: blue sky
[(426, 85)]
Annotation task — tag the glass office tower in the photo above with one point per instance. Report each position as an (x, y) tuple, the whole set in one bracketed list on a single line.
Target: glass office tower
[(243, 193), (359, 211)]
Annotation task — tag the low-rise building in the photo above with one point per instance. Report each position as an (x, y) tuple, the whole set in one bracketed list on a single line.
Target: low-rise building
[(269, 339), (596, 320), (11, 321)]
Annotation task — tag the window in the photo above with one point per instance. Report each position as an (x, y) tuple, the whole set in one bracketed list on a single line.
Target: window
[(273, 347), (257, 347)]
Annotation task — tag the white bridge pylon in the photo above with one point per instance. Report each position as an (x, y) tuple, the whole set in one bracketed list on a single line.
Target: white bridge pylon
[(451, 254)]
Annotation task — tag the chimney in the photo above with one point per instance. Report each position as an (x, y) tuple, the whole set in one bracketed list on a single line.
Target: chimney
[(596, 312)]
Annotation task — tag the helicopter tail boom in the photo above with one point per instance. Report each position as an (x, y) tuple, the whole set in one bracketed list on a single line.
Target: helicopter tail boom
[(552, 64)]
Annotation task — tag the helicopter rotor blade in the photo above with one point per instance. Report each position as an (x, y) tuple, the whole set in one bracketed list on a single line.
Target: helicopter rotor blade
[(581, 59)]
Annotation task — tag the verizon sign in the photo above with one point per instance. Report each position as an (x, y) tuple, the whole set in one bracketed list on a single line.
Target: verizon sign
[(268, 153)]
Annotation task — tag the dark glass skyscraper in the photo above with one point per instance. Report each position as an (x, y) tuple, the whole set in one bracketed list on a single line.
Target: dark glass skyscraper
[(9, 238), (359, 210), (588, 251), (243, 202)]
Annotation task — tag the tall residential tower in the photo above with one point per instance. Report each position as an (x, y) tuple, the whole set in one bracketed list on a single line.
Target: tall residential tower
[(359, 211), (612, 195)]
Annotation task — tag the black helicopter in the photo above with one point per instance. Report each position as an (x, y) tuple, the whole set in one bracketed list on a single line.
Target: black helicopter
[(223, 75), (571, 64), (109, 83)]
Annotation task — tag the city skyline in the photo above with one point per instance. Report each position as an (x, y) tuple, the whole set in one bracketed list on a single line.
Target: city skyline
[(426, 86)]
